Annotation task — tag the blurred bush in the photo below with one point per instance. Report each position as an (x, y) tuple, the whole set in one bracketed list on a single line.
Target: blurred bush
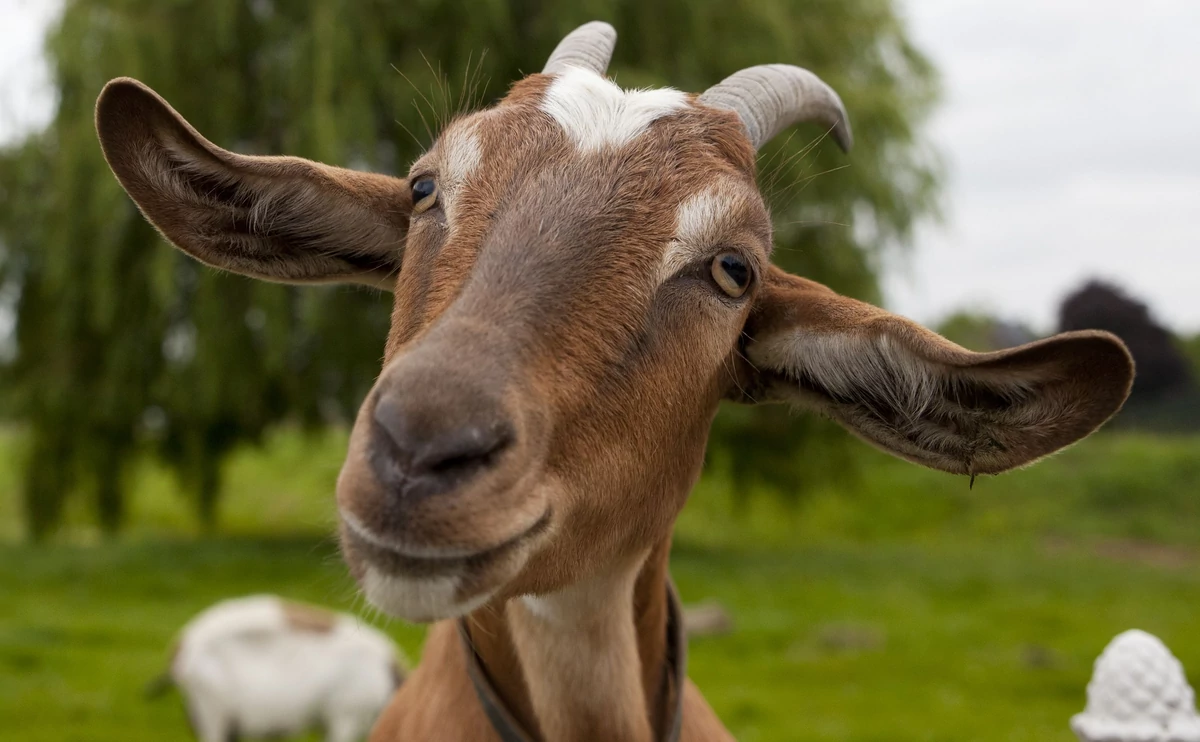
[(981, 332), (1165, 395), (1162, 368), (123, 345)]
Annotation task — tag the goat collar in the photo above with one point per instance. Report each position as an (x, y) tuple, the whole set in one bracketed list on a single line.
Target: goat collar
[(676, 676)]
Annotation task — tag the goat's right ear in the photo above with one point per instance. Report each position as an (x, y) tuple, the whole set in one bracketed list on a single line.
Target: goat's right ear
[(276, 218)]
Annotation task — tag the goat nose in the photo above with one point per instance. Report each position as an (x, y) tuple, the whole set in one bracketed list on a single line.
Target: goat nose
[(424, 451)]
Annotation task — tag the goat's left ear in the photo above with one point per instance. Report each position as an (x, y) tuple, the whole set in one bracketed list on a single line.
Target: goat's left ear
[(915, 394)]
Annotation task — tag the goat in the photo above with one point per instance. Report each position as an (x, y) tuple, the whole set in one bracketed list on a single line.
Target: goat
[(706, 619), (261, 666), (580, 275)]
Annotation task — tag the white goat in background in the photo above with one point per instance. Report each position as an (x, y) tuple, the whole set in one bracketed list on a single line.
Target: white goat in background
[(262, 666)]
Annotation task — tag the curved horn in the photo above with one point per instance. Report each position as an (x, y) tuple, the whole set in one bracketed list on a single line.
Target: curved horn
[(771, 97), (590, 46)]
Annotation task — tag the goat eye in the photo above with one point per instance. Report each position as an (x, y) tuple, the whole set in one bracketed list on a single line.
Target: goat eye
[(424, 194), (731, 273)]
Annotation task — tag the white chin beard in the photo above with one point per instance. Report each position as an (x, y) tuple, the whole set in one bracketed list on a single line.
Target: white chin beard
[(418, 600)]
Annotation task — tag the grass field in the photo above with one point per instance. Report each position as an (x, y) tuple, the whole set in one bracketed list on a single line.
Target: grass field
[(911, 608)]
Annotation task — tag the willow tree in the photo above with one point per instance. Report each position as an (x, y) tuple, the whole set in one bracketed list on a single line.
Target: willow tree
[(121, 344)]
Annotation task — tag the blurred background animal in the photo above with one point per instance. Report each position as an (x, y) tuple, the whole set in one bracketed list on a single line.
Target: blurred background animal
[(262, 666), (708, 618)]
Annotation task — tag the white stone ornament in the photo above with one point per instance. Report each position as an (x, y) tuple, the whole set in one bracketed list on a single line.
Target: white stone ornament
[(1138, 693)]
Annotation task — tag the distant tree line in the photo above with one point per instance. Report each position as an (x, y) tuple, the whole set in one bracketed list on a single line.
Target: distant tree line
[(123, 348)]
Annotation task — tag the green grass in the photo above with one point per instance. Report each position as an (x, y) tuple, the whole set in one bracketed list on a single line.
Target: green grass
[(910, 608), (1111, 487)]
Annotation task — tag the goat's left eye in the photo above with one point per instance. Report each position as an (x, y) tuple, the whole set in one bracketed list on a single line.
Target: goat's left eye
[(424, 194), (731, 273)]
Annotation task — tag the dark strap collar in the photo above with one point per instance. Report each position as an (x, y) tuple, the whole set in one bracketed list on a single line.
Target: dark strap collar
[(508, 728)]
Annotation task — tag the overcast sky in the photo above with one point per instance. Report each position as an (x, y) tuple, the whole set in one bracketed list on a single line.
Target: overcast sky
[(1071, 130), (25, 98)]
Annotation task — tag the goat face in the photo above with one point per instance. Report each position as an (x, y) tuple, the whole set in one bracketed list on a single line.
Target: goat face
[(581, 273), (578, 270)]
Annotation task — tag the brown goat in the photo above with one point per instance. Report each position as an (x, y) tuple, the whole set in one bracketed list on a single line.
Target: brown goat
[(581, 274)]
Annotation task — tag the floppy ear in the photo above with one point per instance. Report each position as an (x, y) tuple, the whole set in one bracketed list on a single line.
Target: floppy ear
[(915, 394), (275, 218)]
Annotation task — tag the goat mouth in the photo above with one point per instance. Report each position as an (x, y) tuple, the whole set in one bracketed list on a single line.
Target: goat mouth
[(396, 560), (424, 588)]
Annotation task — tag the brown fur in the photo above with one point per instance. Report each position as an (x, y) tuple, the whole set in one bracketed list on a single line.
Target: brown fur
[(307, 618), (530, 299), (919, 396), (276, 218)]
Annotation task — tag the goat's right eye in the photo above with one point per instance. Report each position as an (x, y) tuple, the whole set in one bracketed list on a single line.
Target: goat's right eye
[(424, 194), (731, 273)]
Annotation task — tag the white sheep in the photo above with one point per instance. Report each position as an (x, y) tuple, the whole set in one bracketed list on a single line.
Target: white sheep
[(262, 666)]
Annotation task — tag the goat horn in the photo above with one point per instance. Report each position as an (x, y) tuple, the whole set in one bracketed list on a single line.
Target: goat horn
[(771, 97), (590, 46)]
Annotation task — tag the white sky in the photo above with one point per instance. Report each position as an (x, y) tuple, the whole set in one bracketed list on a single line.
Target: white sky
[(1073, 133), (1071, 129), (26, 100)]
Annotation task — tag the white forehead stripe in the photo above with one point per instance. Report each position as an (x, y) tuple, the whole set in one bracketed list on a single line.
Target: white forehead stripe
[(462, 156), (596, 113), (700, 218), (699, 224)]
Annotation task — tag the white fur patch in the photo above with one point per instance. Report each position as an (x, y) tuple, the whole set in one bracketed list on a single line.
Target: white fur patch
[(852, 366), (418, 599), (699, 223), (596, 113), (880, 369), (540, 607), (461, 157)]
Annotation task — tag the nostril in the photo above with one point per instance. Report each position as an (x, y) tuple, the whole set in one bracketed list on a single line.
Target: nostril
[(463, 449), (424, 449), (392, 429)]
